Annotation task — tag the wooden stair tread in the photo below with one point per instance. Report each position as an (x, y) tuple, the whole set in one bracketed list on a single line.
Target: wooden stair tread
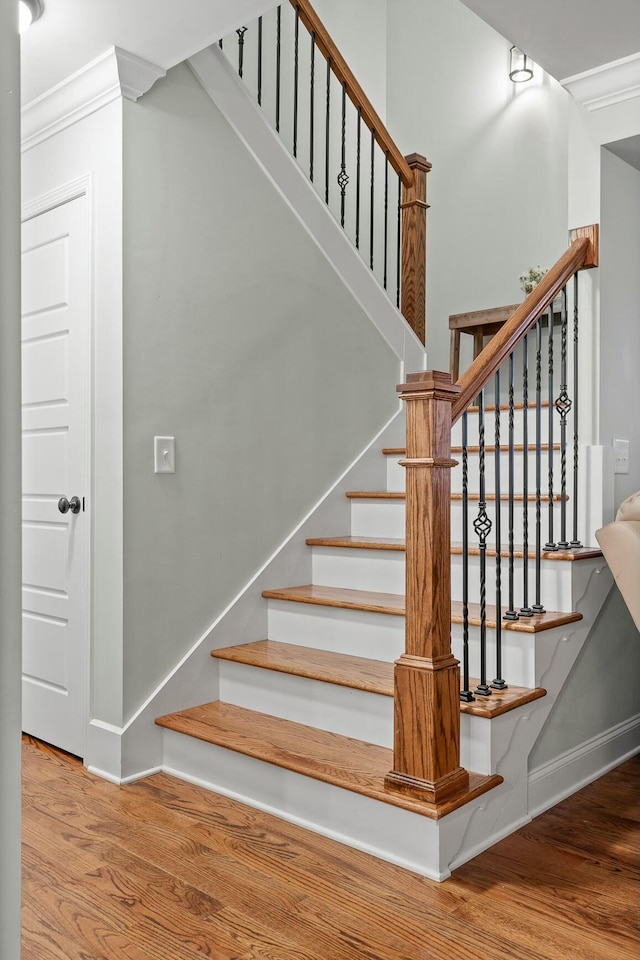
[(489, 448), (400, 495), (358, 673), (397, 545), (342, 761), (393, 604)]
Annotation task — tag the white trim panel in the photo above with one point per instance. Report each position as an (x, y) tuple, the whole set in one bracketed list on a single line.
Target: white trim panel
[(571, 771), (610, 83)]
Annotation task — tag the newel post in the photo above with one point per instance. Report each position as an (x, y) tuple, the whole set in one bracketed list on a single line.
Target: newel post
[(427, 676), (414, 246)]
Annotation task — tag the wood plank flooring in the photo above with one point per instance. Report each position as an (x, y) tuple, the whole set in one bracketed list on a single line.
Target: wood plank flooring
[(161, 870)]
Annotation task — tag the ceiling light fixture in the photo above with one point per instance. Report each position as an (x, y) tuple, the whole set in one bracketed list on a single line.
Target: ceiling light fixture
[(28, 12), (520, 66)]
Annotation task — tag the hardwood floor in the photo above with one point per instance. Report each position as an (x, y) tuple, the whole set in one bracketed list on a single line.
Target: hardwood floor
[(161, 870)]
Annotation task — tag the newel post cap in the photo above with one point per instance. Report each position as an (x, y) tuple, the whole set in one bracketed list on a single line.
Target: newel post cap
[(435, 382)]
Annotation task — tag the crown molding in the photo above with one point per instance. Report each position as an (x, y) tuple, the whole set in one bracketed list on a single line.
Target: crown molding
[(603, 86), (113, 75)]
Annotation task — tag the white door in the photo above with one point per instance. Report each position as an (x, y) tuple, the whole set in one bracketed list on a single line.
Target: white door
[(55, 448)]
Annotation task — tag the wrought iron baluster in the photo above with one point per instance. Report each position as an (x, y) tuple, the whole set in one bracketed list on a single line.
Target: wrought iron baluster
[(373, 163), (326, 133), (312, 102), (399, 241), (343, 176), (563, 406), (259, 61), (296, 58), (482, 527), (220, 43), (498, 683), (278, 63), (511, 613), (386, 217), (241, 32), (575, 542), (525, 609), (465, 694), (358, 148), (537, 606), (550, 544)]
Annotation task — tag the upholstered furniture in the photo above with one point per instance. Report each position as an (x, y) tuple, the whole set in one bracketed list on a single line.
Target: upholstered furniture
[(620, 543)]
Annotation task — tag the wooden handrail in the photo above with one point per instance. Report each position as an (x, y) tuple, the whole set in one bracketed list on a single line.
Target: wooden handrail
[(507, 339), (354, 91)]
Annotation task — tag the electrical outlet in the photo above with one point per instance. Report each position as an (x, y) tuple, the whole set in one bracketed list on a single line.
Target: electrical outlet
[(164, 454), (621, 456)]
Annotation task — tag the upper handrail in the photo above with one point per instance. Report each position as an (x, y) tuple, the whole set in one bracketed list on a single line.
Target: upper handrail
[(509, 336), (354, 91)]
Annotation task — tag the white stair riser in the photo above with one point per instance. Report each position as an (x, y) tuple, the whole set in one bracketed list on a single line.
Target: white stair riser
[(359, 633), (384, 571), (386, 518), (388, 832), (518, 655), (338, 709), (396, 473), (379, 636)]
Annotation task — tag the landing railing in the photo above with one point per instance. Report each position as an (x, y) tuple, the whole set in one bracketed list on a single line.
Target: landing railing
[(301, 80), (529, 370)]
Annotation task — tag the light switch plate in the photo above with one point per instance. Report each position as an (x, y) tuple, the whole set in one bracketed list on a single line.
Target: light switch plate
[(621, 456), (164, 454)]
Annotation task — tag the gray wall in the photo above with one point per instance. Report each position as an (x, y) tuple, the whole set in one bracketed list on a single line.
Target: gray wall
[(240, 343), (620, 314), (498, 188)]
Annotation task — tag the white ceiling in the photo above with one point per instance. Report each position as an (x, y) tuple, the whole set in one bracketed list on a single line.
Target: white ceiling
[(71, 33), (566, 36)]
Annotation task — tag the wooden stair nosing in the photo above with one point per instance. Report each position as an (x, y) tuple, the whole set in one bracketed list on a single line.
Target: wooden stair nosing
[(329, 757), (393, 605), (359, 673), (398, 546)]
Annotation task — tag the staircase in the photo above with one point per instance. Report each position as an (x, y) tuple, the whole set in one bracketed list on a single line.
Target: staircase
[(349, 714), (303, 726)]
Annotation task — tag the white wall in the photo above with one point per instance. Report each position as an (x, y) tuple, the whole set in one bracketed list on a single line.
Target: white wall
[(498, 188), (620, 314), (10, 487), (241, 344), (92, 149)]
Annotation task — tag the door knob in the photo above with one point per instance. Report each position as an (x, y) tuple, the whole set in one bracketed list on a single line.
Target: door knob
[(65, 505)]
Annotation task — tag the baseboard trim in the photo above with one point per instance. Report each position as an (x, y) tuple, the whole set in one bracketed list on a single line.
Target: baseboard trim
[(123, 781), (558, 779)]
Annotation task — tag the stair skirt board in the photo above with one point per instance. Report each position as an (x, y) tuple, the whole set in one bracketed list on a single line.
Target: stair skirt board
[(387, 832)]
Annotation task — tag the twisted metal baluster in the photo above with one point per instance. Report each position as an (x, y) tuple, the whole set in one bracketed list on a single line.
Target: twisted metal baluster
[(498, 683), (312, 103), (259, 61), (511, 613), (358, 146), (575, 542), (343, 176), (465, 694), (551, 544), (398, 241), (563, 406), (537, 606), (278, 63), (525, 609), (326, 133), (241, 32), (373, 163), (296, 51), (482, 527)]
